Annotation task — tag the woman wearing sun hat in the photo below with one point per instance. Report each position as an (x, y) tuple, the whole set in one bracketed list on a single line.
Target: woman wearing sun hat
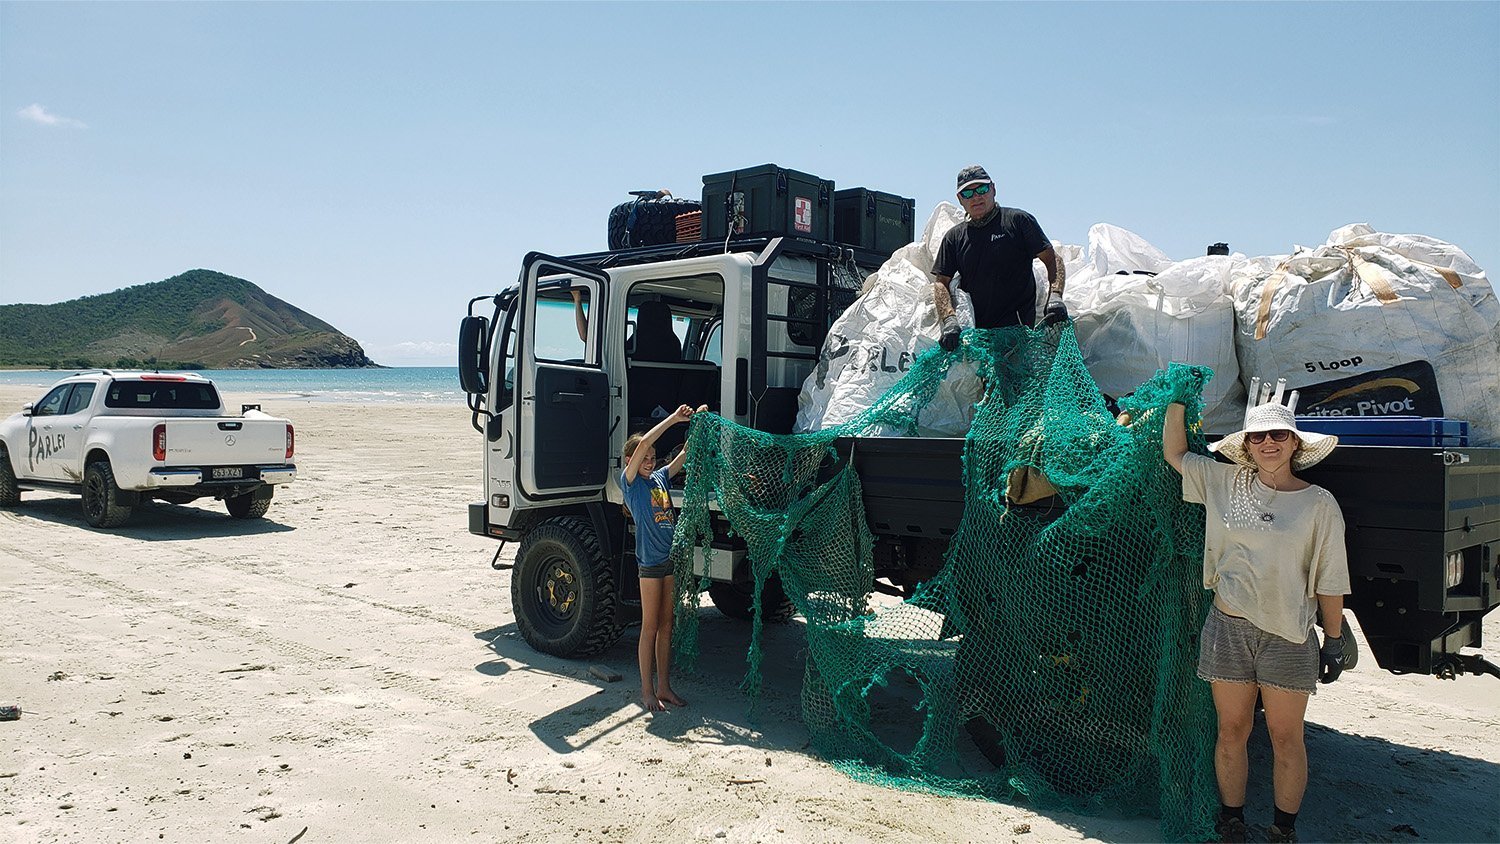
[(1273, 555)]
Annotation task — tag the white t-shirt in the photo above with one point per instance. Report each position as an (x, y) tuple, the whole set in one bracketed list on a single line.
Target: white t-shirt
[(1267, 554)]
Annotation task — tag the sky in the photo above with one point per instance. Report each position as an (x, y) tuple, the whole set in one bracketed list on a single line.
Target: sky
[(379, 164)]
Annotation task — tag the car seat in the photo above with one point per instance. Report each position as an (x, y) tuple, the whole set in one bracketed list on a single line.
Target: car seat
[(654, 338)]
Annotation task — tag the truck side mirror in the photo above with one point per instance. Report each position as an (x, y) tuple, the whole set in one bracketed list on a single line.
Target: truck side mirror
[(472, 334), (26, 409)]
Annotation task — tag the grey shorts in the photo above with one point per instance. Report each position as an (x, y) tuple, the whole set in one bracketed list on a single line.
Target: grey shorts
[(1233, 650), (656, 572)]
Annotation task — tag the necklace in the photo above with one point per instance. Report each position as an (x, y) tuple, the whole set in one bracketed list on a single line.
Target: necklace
[(1248, 506), (1266, 514)]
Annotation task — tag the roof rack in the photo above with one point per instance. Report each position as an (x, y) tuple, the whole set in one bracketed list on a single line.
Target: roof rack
[(780, 244), (91, 372)]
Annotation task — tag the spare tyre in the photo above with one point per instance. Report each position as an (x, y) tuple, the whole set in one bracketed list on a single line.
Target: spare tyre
[(649, 220)]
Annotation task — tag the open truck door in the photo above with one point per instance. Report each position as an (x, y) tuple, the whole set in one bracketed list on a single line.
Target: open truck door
[(565, 413)]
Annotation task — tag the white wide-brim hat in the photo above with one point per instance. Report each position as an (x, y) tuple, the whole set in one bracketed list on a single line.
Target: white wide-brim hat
[(1276, 416)]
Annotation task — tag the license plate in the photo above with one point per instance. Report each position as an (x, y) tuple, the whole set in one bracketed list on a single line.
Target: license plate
[(228, 472)]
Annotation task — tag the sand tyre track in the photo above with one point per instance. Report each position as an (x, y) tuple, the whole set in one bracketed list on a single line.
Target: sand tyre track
[(562, 590), (10, 494), (737, 600), (251, 505), (102, 497)]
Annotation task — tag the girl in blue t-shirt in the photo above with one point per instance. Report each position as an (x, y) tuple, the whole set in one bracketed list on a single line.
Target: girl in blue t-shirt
[(649, 501)]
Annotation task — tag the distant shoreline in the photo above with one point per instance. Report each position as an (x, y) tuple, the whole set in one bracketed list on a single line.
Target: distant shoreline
[(5, 367)]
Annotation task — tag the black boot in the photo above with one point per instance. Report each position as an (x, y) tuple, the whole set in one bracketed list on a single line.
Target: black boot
[(1276, 834), (1231, 829)]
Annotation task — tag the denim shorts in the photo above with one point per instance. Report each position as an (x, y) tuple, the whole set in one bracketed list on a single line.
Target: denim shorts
[(656, 572), (1233, 650)]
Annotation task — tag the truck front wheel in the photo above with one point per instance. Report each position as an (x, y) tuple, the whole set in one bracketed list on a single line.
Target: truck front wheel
[(10, 492), (104, 503), (562, 590), (251, 505)]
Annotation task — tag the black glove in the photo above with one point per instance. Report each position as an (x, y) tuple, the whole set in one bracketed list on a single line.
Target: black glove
[(951, 332), (1055, 312), (1331, 659)]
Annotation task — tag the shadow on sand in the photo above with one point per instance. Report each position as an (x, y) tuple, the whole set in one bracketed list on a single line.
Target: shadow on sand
[(155, 521), (1440, 796)]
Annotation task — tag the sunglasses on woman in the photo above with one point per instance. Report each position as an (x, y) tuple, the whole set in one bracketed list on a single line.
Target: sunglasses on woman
[(969, 193), (1258, 437)]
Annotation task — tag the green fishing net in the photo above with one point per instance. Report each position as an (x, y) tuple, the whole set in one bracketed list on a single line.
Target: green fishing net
[(1052, 658)]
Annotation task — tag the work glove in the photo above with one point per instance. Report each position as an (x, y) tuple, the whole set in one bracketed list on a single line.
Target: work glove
[(1055, 312), (951, 332), (1331, 659), (1185, 382)]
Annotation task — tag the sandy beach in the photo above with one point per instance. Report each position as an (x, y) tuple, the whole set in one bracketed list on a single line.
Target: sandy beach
[(349, 666)]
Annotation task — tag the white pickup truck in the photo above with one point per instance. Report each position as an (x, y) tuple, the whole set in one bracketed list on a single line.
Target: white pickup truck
[(119, 439)]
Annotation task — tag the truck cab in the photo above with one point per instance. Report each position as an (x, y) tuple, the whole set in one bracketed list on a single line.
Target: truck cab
[(583, 351)]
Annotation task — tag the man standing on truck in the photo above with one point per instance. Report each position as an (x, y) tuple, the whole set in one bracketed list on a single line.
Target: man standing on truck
[(991, 253)]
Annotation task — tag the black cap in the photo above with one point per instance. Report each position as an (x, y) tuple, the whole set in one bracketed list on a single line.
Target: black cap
[(971, 175)]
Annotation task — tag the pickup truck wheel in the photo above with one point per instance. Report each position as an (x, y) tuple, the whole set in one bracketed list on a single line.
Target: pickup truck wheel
[(10, 493), (101, 497), (562, 590), (247, 506), (737, 600)]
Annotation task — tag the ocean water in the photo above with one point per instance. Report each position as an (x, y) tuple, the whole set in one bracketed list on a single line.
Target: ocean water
[(422, 384)]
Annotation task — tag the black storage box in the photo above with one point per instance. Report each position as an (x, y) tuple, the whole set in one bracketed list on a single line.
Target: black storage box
[(767, 200), (873, 220)]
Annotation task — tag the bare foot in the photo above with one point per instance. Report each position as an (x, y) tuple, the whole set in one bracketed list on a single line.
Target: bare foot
[(651, 703), (672, 697)]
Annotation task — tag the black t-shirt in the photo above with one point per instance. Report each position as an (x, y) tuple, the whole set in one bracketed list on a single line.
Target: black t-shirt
[(993, 265)]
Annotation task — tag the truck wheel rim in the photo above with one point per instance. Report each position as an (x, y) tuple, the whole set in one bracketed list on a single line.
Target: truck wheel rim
[(93, 496), (557, 592)]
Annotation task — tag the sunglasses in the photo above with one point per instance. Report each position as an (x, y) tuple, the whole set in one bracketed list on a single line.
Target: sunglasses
[(1258, 437), (970, 193)]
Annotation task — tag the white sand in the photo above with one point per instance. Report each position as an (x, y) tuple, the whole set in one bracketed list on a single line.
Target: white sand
[(349, 665)]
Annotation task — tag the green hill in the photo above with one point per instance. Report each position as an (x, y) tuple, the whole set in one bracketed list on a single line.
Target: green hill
[(201, 319)]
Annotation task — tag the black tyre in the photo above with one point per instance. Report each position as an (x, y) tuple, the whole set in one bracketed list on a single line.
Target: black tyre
[(562, 590), (10, 493), (103, 502), (655, 221), (249, 505), (737, 600)]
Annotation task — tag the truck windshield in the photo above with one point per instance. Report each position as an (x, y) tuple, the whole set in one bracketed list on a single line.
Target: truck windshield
[(162, 395)]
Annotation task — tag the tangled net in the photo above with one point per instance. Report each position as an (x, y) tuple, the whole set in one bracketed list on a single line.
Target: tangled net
[(1059, 642)]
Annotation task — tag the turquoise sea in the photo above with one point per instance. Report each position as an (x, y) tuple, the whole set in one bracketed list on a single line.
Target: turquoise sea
[(424, 384)]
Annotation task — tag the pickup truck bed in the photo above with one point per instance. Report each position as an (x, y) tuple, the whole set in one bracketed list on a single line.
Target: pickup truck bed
[(1418, 519)]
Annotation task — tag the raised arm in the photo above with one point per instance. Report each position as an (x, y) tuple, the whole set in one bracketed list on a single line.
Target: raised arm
[(580, 319), (633, 468), (1174, 436), (676, 465)]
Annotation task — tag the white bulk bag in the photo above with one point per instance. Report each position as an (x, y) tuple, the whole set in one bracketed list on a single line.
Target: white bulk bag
[(872, 344), (1375, 324), (1136, 311)]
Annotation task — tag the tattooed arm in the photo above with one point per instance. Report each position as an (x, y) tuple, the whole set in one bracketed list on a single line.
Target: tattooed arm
[(1057, 273)]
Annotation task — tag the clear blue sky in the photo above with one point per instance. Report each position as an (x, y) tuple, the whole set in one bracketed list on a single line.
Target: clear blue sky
[(379, 164)]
